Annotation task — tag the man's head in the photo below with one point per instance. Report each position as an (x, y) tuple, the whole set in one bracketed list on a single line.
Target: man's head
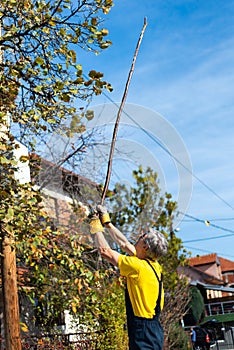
[(155, 244)]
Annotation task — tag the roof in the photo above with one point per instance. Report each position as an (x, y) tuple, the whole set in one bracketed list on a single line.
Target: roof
[(50, 164), (213, 287), (204, 260), (226, 265), (206, 277), (219, 318)]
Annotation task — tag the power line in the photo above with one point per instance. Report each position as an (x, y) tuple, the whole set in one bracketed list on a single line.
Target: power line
[(192, 218), (208, 251), (220, 219), (171, 155), (152, 137), (208, 223), (208, 239), (186, 215)]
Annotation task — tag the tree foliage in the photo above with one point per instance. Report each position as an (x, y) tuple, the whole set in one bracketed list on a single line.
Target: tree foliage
[(176, 307), (41, 81), (41, 70), (196, 307), (143, 206), (106, 312)]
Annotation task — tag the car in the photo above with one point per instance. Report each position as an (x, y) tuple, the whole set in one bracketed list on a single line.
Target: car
[(204, 339)]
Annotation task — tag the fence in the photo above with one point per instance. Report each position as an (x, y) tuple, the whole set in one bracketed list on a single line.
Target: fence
[(71, 341), (219, 308)]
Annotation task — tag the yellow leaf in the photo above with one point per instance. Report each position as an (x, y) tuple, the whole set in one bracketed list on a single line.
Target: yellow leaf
[(104, 31), (79, 286), (73, 307), (52, 23), (24, 327)]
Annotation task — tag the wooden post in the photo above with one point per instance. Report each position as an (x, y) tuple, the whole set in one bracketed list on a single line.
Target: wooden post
[(10, 293), (8, 271)]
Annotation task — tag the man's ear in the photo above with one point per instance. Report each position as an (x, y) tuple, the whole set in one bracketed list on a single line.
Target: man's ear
[(145, 247)]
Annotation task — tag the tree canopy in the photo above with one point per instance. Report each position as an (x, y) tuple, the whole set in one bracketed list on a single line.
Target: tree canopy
[(43, 84), (143, 206), (41, 69), (41, 79)]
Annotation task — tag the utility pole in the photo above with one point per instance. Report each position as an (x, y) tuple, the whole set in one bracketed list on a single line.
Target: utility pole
[(8, 260), (10, 292)]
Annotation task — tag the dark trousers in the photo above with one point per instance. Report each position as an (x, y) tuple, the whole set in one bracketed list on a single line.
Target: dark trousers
[(143, 333)]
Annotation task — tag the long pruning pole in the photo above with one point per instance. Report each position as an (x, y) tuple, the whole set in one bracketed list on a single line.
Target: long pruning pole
[(109, 168)]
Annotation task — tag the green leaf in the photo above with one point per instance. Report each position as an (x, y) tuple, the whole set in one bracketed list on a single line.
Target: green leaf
[(78, 81), (24, 159), (89, 114), (65, 97), (39, 61), (10, 214)]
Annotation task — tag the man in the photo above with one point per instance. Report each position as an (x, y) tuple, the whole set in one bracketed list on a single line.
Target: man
[(144, 292), (193, 337)]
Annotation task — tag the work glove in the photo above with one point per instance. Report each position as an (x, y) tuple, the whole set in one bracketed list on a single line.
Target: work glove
[(103, 214), (95, 224)]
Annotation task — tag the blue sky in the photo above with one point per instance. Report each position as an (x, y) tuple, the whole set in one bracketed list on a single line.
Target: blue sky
[(184, 72)]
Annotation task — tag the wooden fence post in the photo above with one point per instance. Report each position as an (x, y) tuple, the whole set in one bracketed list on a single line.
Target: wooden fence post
[(10, 293)]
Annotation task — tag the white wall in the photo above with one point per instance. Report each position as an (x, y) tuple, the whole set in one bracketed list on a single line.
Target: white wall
[(23, 172)]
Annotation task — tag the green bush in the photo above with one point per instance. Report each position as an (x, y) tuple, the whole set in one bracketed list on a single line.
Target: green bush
[(105, 314), (178, 338), (112, 319), (196, 308)]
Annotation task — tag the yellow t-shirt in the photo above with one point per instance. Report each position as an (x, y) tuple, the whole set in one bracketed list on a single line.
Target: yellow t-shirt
[(142, 284)]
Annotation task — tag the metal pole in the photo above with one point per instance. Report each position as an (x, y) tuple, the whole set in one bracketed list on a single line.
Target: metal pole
[(232, 335)]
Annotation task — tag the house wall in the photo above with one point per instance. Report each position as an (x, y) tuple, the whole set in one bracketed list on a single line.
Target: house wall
[(192, 275), (23, 172), (59, 209), (211, 269), (228, 277), (212, 294)]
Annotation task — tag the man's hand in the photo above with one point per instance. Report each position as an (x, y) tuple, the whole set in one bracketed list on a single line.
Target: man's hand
[(103, 214), (95, 225), (116, 235)]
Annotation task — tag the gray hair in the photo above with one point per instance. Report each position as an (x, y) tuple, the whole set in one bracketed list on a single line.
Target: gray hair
[(157, 244)]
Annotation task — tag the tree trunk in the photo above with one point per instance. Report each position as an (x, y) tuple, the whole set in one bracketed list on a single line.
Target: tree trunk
[(10, 294)]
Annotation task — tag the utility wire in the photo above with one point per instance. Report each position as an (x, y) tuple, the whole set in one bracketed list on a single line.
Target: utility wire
[(187, 169), (222, 219), (212, 220), (170, 154), (208, 223), (208, 239), (208, 251), (187, 215)]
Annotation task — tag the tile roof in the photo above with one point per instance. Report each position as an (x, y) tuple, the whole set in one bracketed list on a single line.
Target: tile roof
[(204, 276), (204, 259), (226, 265)]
